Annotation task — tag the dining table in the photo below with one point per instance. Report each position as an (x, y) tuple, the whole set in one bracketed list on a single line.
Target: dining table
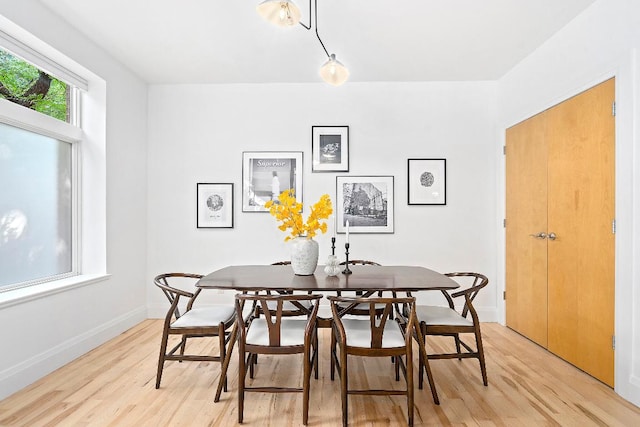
[(367, 279)]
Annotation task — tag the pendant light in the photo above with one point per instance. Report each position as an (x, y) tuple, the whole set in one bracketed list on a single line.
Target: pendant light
[(285, 13), (333, 72)]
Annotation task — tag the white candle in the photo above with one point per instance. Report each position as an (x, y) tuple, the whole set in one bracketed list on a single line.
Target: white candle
[(335, 226), (347, 231)]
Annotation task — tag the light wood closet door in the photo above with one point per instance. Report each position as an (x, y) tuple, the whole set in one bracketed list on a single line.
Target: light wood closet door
[(526, 205), (560, 170), (581, 212)]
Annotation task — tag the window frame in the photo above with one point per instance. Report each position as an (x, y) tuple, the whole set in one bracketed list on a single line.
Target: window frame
[(86, 132)]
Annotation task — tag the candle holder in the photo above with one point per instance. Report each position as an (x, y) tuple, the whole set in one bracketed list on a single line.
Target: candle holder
[(346, 264), (333, 246)]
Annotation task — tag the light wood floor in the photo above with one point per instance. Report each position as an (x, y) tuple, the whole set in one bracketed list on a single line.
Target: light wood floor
[(114, 386)]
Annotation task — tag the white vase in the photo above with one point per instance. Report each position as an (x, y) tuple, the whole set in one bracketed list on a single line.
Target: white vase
[(304, 256), (332, 268)]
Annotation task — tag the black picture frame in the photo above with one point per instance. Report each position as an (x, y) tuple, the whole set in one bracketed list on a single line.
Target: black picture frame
[(330, 148), (265, 174), (427, 181), (367, 202), (214, 205)]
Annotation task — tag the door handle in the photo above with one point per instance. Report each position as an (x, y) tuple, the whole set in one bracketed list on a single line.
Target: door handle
[(541, 235), (552, 236)]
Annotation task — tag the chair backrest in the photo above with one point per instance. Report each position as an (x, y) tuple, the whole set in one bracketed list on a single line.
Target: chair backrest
[(471, 284), (271, 307), (173, 293), (404, 308)]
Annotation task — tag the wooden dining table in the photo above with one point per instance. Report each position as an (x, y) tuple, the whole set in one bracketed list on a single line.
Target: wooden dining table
[(367, 279)]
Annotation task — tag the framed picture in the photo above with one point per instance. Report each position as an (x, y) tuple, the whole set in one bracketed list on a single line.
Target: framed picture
[(330, 148), (427, 181), (265, 174), (366, 202), (214, 205)]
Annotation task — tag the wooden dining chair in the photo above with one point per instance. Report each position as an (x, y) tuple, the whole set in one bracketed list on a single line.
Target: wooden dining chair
[(274, 334), (447, 321), (189, 322), (374, 336), (364, 309)]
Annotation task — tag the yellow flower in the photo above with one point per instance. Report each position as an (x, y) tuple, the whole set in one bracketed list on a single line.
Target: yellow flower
[(289, 212)]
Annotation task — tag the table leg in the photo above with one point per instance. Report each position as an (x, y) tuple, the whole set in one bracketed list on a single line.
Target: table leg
[(225, 363), (423, 351)]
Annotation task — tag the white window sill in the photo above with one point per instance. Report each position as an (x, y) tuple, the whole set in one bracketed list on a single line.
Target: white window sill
[(30, 293)]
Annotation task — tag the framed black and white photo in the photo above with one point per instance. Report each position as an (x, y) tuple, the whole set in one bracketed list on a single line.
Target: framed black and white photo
[(366, 202), (214, 205), (265, 174), (330, 148), (427, 181)]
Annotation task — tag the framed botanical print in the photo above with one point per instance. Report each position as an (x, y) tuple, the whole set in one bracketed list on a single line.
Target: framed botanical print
[(427, 181), (330, 148), (265, 174), (214, 205), (366, 202)]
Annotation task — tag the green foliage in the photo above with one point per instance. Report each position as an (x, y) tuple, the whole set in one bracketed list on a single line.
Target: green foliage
[(18, 76)]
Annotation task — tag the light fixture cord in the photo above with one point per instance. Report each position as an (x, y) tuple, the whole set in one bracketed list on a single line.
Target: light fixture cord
[(316, 25)]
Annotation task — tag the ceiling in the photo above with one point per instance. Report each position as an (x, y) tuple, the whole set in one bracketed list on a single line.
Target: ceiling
[(226, 41)]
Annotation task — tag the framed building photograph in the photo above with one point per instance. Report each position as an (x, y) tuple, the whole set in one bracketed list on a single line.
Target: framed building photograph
[(427, 181), (366, 202), (214, 205), (265, 174), (330, 148)]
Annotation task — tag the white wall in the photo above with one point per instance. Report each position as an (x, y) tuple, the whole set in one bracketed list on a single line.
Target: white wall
[(600, 43), (46, 333), (197, 133)]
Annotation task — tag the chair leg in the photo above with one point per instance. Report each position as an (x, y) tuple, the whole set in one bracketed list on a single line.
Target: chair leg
[(333, 354), (397, 367), (315, 353), (344, 387), (163, 352), (227, 360), (251, 361), (422, 348), (409, 379), (183, 345), (457, 338), (306, 385), (479, 347), (222, 353), (242, 371)]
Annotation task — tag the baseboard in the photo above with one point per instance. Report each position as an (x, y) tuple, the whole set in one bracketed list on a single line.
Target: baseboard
[(18, 376)]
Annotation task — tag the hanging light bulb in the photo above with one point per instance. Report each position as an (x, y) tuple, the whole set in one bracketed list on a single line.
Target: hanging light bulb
[(283, 13), (333, 72)]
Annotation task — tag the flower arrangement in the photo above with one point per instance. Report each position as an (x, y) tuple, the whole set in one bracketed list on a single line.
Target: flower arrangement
[(289, 212)]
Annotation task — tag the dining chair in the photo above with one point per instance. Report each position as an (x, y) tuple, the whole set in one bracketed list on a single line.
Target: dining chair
[(189, 322), (447, 321), (377, 335), (364, 309), (275, 334)]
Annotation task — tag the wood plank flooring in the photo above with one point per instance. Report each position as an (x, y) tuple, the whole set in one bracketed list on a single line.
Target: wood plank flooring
[(114, 386)]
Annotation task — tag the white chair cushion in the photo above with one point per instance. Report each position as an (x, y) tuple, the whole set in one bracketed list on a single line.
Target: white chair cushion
[(291, 333), (205, 316), (358, 333), (436, 315)]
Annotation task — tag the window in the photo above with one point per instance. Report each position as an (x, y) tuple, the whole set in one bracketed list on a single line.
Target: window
[(31, 87), (38, 175)]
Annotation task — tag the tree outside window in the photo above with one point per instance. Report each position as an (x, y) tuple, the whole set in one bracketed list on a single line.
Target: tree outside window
[(28, 86)]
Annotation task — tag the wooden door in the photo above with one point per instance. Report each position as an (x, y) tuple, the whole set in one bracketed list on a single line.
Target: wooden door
[(581, 188), (526, 214)]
